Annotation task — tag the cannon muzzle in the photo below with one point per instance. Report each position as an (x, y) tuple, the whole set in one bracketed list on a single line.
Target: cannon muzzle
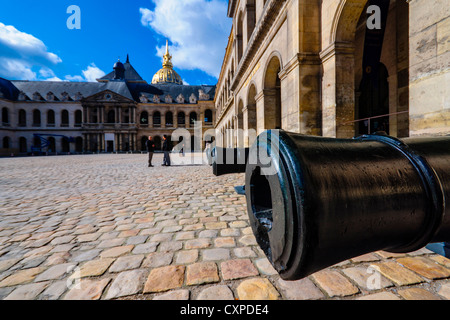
[(314, 202), (229, 160)]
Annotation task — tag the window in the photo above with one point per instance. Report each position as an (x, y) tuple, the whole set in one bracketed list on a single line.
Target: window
[(5, 116), (6, 143), (192, 118), (64, 118), (22, 118), (50, 118), (22, 145), (208, 116), (144, 118), (181, 118), (78, 118), (169, 119), (36, 118), (157, 119), (111, 117)]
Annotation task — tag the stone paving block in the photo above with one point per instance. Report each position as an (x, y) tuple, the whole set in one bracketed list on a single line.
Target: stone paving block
[(55, 290), (8, 263), (94, 268), (417, 294), (335, 284), (265, 267), (380, 296), (165, 278), (218, 292), (244, 252), (369, 257), (127, 283), (444, 291), (87, 290), (21, 277), (441, 260), (257, 289), (174, 295), (238, 268), (367, 278), (303, 289), (88, 237), (202, 272), (170, 246), (398, 274), (127, 263), (55, 272), (27, 292), (197, 243), (215, 254), (158, 259), (148, 247), (224, 242), (425, 267), (248, 240), (117, 251), (187, 256)]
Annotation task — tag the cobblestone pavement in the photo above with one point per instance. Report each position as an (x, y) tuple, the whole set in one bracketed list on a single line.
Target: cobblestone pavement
[(108, 227)]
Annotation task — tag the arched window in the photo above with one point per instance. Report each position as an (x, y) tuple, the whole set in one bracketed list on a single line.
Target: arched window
[(181, 118), (192, 118), (36, 118), (50, 118), (5, 116), (144, 118), (239, 37), (251, 18), (65, 145), (78, 118), (79, 144), (111, 116), (23, 145), (64, 118), (169, 119), (157, 119), (208, 117), (6, 143), (22, 118), (143, 143)]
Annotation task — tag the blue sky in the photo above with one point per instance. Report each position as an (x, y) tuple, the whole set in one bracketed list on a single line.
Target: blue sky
[(35, 43)]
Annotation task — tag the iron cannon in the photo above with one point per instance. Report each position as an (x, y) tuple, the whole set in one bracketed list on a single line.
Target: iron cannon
[(229, 160), (314, 202)]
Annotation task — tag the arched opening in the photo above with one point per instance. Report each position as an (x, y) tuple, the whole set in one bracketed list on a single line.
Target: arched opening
[(250, 124), (240, 36), (5, 116), (22, 118), (169, 119), (23, 145), (251, 18), (78, 118), (111, 117), (192, 118), (158, 143), (208, 117), (64, 118), (181, 119), (272, 95), (143, 119), (143, 143), (51, 144), (157, 119), (239, 127), (65, 146), (37, 143), (6, 143), (79, 144), (94, 115), (36, 118), (371, 72)]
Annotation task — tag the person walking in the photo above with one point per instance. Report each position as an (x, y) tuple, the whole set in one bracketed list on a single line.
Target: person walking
[(166, 149), (151, 149)]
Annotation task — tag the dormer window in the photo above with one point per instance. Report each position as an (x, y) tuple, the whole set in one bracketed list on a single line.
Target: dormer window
[(78, 96), (22, 96), (143, 99), (193, 99), (37, 96), (168, 99), (156, 99), (180, 98), (50, 96), (65, 96)]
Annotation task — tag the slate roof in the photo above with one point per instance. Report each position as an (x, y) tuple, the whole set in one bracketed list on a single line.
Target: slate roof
[(8, 90), (130, 74)]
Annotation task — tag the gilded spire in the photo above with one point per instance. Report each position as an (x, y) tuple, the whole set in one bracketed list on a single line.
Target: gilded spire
[(167, 63)]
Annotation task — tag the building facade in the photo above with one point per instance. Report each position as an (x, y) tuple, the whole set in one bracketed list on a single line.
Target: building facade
[(115, 114), (335, 68)]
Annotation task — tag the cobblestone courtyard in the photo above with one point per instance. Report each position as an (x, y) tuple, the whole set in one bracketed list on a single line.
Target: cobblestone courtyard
[(109, 227)]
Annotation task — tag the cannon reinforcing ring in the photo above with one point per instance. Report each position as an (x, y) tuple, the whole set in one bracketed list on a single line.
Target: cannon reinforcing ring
[(432, 186)]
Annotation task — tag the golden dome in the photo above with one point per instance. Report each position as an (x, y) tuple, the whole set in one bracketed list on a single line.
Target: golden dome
[(167, 74)]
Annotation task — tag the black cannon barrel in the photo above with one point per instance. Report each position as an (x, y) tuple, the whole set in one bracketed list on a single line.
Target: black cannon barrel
[(229, 160), (321, 201)]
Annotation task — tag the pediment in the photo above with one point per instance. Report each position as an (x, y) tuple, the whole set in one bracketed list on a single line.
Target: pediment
[(107, 96)]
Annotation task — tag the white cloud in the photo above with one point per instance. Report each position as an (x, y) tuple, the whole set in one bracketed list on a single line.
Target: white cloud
[(90, 74), (24, 56), (198, 29)]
